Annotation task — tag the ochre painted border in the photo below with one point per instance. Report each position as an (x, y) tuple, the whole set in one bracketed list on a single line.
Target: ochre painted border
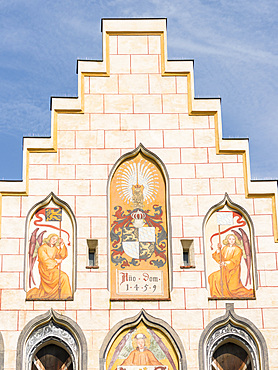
[(164, 72)]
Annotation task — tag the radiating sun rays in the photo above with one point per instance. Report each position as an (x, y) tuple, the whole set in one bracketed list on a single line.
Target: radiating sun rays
[(142, 173)]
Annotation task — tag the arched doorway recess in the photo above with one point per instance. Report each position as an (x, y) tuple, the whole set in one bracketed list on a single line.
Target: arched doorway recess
[(51, 338), (52, 356), (231, 356), (232, 338)]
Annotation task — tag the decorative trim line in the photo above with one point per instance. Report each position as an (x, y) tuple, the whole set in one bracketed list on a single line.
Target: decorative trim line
[(196, 107), (239, 329), (148, 320), (164, 171), (64, 322)]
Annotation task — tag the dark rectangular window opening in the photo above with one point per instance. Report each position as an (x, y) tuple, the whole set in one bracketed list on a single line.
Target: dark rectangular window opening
[(92, 258), (92, 254), (185, 258), (188, 260)]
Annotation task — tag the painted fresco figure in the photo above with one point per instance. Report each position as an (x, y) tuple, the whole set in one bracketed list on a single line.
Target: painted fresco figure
[(141, 356), (229, 284), (54, 282)]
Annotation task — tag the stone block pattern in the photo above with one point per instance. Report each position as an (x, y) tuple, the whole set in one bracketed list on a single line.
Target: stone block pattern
[(136, 104)]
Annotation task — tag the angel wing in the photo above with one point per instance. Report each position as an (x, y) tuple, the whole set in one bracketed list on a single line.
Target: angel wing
[(119, 347), (247, 249), (34, 244), (238, 235), (163, 347), (38, 243), (243, 238)]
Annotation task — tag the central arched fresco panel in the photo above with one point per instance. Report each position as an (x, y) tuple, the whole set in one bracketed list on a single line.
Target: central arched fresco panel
[(138, 230), (142, 346)]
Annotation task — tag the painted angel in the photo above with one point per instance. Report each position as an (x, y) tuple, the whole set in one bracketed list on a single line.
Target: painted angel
[(51, 252), (226, 282)]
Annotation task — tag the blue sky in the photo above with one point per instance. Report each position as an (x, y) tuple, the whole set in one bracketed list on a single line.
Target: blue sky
[(233, 43)]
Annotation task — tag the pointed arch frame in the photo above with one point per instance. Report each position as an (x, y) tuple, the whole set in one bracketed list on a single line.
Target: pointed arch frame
[(238, 329), (148, 320), (227, 201), (67, 208), (164, 171), (62, 322)]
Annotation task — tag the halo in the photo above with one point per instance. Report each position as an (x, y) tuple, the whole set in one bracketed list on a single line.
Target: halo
[(141, 173), (141, 330)]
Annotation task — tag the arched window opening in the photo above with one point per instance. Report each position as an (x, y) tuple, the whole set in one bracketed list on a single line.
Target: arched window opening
[(231, 356), (52, 357)]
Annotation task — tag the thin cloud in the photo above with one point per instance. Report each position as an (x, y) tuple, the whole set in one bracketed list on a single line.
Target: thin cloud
[(244, 52), (38, 119), (233, 43)]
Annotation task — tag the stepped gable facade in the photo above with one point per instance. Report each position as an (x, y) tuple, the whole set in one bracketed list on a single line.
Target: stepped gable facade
[(137, 239)]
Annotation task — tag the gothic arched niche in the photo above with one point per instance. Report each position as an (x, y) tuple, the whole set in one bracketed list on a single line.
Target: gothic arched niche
[(139, 227), (234, 340), (142, 341), (50, 251), (229, 251), (59, 335)]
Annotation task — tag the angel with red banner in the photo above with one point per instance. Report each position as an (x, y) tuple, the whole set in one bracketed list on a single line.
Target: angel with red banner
[(226, 282), (50, 252)]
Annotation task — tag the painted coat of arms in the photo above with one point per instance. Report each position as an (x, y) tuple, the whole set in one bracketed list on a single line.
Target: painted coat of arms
[(138, 231), (138, 236)]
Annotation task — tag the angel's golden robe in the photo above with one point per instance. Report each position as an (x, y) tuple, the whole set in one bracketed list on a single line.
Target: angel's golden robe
[(141, 358), (232, 285), (52, 280)]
